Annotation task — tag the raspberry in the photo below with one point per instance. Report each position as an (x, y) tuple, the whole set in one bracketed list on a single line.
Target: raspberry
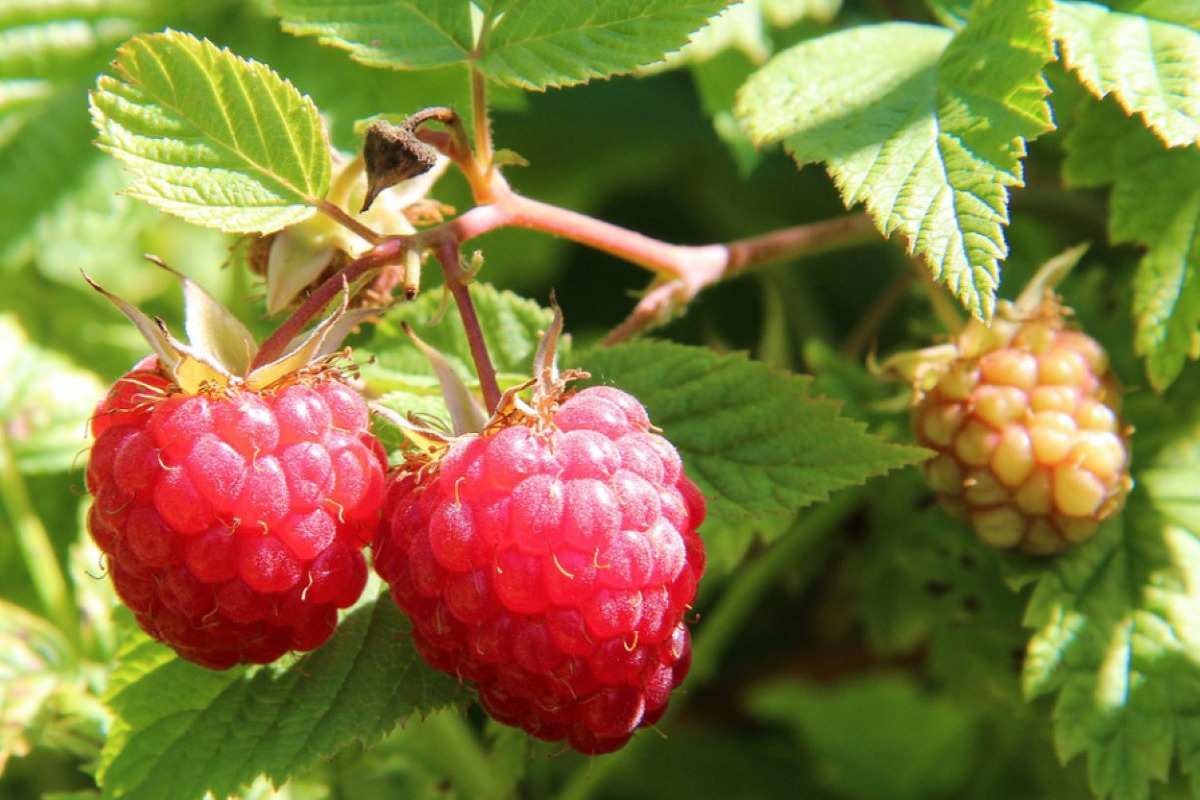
[(233, 519), (550, 561), (1029, 447)]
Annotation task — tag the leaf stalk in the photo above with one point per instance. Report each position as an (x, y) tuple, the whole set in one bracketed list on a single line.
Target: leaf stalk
[(448, 257)]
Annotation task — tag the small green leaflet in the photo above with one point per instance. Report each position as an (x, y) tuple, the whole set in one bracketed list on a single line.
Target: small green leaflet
[(925, 126), (1156, 203), (1148, 58), (533, 44), (754, 439), (181, 730), (402, 34), (213, 138)]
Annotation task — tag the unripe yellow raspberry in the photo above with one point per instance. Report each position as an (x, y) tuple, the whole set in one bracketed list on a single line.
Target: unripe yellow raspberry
[(1024, 422)]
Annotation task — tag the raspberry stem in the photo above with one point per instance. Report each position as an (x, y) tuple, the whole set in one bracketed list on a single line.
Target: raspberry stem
[(693, 273), (346, 220), (686, 269), (390, 251), (681, 271), (448, 257)]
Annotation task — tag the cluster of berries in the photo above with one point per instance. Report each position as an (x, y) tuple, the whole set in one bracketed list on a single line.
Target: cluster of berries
[(548, 560)]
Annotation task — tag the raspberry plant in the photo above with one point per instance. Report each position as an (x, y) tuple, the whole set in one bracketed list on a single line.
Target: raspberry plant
[(383, 204)]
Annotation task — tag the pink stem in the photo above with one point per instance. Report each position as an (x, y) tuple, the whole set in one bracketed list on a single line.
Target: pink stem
[(389, 251), (801, 239), (687, 269), (448, 257), (653, 254), (696, 265), (662, 300)]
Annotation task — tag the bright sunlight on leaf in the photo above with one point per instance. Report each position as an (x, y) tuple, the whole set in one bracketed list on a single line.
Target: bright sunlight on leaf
[(533, 45), (925, 127), (1150, 64), (1116, 636), (1155, 203), (211, 137)]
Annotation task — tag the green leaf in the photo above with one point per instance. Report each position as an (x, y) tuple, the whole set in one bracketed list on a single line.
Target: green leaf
[(48, 157), (754, 439), (1155, 203), (210, 137), (544, 43), (49, 55), (926, 127), (181, 730), (876, 738), (96, 230), (533, 44), (345, 90), (401, 34), (1148, 58), (1115, 627), (45, 403)]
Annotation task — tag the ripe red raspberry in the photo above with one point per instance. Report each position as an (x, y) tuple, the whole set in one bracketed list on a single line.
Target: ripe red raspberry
[(234, 520), (1024, 422), (550, 562)]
